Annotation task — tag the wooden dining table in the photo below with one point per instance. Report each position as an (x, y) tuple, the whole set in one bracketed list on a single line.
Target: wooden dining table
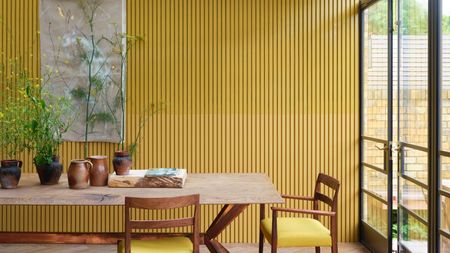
[(234, 191)]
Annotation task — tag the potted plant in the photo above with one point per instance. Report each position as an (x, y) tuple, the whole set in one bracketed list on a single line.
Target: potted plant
[(122, 161), (13, 111), (45, 127), (12, 135)]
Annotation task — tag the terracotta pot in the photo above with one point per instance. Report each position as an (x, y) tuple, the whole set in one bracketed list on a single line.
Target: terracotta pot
[(122, 162), (10, 172), (99, 172), (78, 174), (49, 174)]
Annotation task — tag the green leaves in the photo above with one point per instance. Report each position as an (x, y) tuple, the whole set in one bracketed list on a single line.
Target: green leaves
[(31, 118), (104, 117), (97, 83), (79, 93), (14, 111)]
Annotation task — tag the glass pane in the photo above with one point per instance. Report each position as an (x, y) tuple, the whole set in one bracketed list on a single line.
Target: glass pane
[(376, 182), (445, 123), (445, 173), (445, 244), (414, 198), (375, 70), (445, 93), (415, 164), (413, 234), (375, 214), (372, 154), (413, 72), (445, 214)]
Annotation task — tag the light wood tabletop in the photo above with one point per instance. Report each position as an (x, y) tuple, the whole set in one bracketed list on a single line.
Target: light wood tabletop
[(235, 191), (233, 188)]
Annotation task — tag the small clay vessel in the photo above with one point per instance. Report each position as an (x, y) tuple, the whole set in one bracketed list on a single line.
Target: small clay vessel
[(99, 172), (122, 162), (49, 174), (10, 172), (78, 174)]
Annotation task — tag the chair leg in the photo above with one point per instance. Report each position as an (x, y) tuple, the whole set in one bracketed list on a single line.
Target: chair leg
[(261, 242), (334, 248), (274, 248), (317, 249)]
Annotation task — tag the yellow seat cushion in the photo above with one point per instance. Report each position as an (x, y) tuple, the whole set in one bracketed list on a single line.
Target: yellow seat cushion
[(163, 245), (297, 232)]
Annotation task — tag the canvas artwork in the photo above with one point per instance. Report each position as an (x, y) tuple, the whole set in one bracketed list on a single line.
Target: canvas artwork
[(84, 61)]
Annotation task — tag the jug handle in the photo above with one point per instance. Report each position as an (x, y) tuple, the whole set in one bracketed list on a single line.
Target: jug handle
[(19, 163), (90, 165)]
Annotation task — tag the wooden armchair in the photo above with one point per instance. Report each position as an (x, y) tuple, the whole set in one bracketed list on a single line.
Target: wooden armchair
[(303, 232), (170, 243)]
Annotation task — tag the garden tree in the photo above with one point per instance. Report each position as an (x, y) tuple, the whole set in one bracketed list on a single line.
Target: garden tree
[(446, 25), (414, 18)]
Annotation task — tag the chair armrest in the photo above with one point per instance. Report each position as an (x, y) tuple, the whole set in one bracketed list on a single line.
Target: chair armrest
[(314, 212), (297, 197)]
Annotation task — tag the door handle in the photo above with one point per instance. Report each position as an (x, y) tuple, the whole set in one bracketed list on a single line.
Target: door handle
[(385, 147)]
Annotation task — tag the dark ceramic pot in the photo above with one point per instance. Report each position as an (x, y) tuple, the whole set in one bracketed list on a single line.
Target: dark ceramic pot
[(99, 172), (78, 174), (49, 174), (10, 172), (122, 162)]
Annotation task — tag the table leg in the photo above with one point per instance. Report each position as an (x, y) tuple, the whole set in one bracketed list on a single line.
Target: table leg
[(222, 220)]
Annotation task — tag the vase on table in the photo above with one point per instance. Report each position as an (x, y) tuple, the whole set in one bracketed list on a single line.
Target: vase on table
[(50, 173), (99, 172), (78, 174), (10, 172), (122, 162)]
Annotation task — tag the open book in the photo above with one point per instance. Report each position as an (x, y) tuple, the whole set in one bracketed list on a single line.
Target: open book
[(165, 172)]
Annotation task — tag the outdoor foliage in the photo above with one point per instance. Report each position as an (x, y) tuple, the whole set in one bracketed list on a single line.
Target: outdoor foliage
[(414, 19)]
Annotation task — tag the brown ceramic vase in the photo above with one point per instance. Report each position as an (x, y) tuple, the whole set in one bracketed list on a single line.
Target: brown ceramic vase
[(99, 172), (122, 162), (49, 174), (78, 174), (10, 172)]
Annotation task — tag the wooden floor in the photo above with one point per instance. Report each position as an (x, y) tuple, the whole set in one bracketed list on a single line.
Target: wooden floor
[(234, 248)]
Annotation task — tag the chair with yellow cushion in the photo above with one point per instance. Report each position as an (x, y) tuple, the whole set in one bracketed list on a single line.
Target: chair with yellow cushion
[(164, 243), (302, 231)]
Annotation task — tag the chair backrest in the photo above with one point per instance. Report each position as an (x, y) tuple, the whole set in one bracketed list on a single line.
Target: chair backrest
[(162, 204), (319, 196)]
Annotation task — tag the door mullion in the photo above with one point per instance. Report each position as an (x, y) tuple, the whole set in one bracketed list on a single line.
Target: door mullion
[(388, 152), (434, 70)]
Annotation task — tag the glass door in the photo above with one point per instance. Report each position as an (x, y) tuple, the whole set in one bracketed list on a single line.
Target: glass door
[(413, 126), (376, 128), (444, 191)]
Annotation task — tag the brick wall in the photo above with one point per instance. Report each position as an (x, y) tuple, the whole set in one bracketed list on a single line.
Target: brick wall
[(412, 115)]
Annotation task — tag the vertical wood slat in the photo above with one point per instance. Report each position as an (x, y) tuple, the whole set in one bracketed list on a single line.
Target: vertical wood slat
[(251, 86)]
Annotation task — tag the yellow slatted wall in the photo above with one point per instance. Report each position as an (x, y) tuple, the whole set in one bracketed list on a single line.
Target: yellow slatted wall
[(252, 86)]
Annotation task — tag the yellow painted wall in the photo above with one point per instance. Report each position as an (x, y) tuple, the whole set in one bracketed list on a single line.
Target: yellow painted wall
[(253, 86)]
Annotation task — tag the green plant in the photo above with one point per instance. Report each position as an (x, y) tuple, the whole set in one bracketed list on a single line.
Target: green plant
[(101, 96), (122, 50), (13, 110), (46, 122), (143, 120)]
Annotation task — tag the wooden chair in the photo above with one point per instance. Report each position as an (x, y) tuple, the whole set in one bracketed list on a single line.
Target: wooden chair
[(170, 243), (303, 232)]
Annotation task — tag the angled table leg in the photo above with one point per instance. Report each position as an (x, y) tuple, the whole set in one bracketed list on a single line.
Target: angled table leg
[(226, 215)]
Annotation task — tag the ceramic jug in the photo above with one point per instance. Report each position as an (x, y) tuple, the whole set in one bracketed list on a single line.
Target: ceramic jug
[(99, 172), (78, 174)]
